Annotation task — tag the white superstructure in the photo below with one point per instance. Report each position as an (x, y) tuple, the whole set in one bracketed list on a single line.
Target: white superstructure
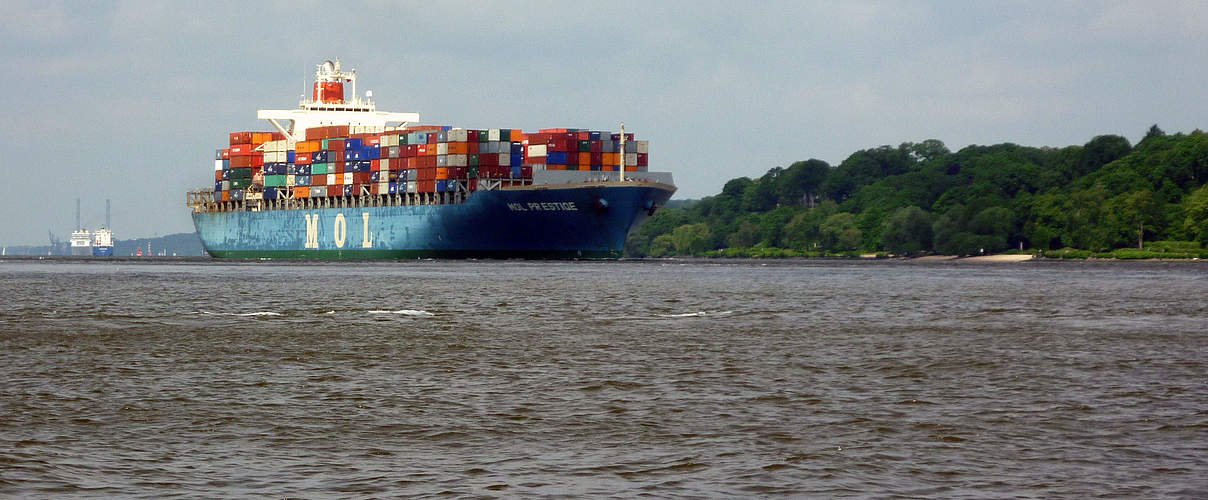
[(328, 107), (81, 242)]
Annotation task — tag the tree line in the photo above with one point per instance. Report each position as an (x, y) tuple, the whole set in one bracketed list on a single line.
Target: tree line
[(921, 198)]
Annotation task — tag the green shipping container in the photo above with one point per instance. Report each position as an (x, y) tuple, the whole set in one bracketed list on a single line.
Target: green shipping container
[(472, 172), (473, 161), (584, 146), (318, 169), (241, 173), (240, 183), (274, 181)]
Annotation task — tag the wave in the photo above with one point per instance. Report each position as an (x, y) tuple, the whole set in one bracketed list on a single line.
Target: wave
[(256, 313), (697, 314), (405, 312)]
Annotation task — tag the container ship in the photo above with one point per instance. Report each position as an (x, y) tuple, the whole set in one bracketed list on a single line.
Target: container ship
[(338, 179)]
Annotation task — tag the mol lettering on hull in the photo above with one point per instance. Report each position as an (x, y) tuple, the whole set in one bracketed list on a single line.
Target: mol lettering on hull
[(574, 222)]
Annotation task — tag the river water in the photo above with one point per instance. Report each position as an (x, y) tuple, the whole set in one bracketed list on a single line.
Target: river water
[(664, 378)]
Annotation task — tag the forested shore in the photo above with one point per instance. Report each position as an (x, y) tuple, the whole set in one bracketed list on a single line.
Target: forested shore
[(1106, 198)]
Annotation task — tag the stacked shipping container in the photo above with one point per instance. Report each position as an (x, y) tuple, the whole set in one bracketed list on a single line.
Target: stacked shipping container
[(340, 161)]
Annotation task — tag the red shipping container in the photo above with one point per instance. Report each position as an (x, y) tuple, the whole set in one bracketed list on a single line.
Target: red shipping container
[(472, 135), (339, 131), (457, 172), (375, 165), (226, 154), (217, 176), (336, 190), (335, 146), (360, 178), (472, 184), (597, 158), (241, 149), (488, 160), (373, 141), (642, 159), (597, 147), (258, 160), (241, 161), (240, 138), (526, 172), (471, 148), (411, 151), (302, 158), (426, 186), (432, 138), (339, 166), (428, 161)]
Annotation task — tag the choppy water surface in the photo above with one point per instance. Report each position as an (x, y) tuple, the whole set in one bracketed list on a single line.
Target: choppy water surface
[(504, 378)]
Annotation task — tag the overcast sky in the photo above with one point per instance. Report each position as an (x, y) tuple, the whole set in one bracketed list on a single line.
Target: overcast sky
[(128, 100)]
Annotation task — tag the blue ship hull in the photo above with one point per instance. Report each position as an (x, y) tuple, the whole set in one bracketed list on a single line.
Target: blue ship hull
[(579, 221), (102, 251)]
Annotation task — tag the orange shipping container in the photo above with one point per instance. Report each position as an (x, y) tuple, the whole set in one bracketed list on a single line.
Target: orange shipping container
[(301, 192), (517, 136), (584, 159), (261, 137), (458, 148), (226, 196), (442, 173)]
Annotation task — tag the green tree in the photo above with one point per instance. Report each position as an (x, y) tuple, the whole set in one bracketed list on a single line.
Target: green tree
[(1195, 222), (800, 183), (690, 239), (747, 235), (1138, 209), (908, 231), (662, 246), (835, 231)]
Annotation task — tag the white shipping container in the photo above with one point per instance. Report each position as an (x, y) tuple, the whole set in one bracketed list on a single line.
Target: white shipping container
[(393, 151), (606, 147), (493, 135), (458, 160), (390, 140), (493, 147), (458, 135), (505, 160), (536, 150), (631, 159), (217, 165), (347, 180), (442, 160), (643, 147), (384, 187), (442, 148), (226, 185), (412, 187), (289, 180)]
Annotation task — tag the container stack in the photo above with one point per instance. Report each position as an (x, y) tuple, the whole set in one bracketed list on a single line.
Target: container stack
[(341, 161), (575, 149)]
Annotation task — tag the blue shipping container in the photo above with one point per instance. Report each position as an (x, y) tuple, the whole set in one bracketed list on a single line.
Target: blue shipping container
[(302, 180), (270, 193), (375, 177), (373, 153), (393, 188), (352, 144), (515, 172), (318, 157), (290, 156), (556, 158), (347, 190)]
